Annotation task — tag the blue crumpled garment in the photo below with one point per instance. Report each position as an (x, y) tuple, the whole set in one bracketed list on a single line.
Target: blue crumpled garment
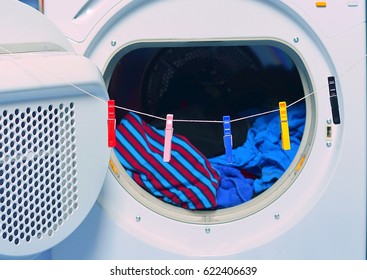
[(234, 188), (262, 153)]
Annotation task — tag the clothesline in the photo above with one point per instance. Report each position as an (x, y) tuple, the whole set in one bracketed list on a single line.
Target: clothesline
[(186, 120), (213, 121), (195, 180)]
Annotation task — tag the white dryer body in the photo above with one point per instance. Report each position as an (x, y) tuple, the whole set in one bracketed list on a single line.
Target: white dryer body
[(317, 208)]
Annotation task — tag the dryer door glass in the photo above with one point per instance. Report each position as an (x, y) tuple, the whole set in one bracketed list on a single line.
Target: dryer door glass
[(200, 84)]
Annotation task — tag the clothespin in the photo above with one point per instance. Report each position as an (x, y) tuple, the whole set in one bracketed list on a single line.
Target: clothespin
[(334, 100), (227, 138), (111, 124), (286, 142), (168, 132)]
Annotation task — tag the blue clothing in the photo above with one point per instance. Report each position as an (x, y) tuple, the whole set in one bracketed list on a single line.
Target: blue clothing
[(234, 188), (262, 153)]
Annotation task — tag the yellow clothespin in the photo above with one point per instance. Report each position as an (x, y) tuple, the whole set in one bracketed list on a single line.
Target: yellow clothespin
[(286, 142)]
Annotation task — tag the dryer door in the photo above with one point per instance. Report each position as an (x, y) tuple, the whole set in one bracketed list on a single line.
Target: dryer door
[(53, 133)]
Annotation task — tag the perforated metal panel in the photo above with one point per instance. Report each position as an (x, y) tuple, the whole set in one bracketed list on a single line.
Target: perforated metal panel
[(38, 171), (49, 131)]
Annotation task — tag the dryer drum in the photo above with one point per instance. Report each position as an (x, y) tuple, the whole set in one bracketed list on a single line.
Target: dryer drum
[(206, 83)]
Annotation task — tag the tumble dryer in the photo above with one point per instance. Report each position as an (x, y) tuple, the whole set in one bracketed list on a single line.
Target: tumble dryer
[(241, 58)]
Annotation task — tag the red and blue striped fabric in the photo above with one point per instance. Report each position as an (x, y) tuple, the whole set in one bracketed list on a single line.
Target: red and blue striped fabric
[(187, 180)]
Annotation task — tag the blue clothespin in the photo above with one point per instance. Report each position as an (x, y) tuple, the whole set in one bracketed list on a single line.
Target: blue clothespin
[(227, 138)]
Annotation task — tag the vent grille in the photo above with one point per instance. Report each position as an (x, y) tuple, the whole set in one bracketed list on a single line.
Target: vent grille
[(38, 171)]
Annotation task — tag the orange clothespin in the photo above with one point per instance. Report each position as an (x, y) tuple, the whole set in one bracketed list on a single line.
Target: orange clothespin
[(286, 143), (111, 124), (168, 138)]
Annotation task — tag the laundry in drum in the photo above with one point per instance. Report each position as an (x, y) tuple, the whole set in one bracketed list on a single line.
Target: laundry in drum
[(262, 154), (188, 180), (193, 181), (206, 83)]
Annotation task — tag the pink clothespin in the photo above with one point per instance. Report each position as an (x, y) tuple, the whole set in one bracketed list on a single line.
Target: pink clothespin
[(111, 124), (168, 138)]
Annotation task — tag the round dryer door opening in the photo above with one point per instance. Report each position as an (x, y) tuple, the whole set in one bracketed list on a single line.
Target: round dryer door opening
[(200, 85)]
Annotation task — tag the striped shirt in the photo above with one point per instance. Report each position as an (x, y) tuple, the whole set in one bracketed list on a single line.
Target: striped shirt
[(187, 180)]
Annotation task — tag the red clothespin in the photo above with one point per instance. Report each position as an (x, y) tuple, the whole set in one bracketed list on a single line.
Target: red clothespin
[(111, 124), (168, 138)]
